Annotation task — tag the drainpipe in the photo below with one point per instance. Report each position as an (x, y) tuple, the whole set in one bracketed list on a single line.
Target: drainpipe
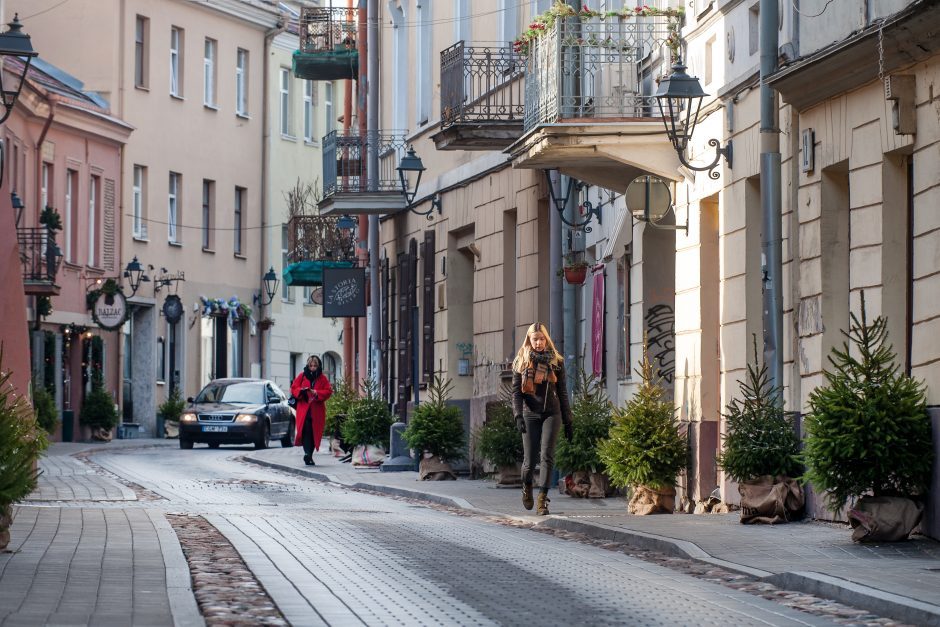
[(771, 244), (347, 124), (372, 91), (365, 47), (555, 304), (37, 323), (266, 176)]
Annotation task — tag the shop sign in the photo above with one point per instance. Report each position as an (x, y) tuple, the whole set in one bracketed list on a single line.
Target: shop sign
[(109, 311), (344, 292), (173, 309)]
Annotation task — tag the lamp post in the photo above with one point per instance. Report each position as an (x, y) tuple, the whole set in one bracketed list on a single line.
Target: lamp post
[(134, 273), (270, 282), (679, 98), (14, 43), (561, 203), (411, 165)]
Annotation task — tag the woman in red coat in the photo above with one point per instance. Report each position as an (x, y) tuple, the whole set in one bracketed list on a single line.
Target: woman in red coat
[(311, 388)]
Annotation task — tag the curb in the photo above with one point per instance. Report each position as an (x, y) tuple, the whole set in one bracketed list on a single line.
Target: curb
[(883, 603)]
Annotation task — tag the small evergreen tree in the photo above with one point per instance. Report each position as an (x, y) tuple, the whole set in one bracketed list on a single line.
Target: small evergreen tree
[(22, 441), (338, 405), (437, 427), (759, 439), (644, 446), (47, 414), (497, 440), (591, 419), (368, 420), (868, 430), (98, 411), (172, 408)]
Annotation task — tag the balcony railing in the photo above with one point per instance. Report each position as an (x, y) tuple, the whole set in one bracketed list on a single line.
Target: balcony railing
[(327, 44), (481, 84), (346, 157), (40, 258), (595, 69), (315, 237)]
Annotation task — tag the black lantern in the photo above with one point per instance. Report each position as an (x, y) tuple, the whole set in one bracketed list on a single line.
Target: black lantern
[(134, 273), (14, 43), (680, 102), (409, 165), (271, 282), (587, 207), (18, 206)]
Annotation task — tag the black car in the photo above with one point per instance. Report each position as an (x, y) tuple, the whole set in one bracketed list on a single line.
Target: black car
[(237, 411)]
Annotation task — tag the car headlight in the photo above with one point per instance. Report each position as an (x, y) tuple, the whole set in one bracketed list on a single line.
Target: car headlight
[(188, 418), (246, 418)]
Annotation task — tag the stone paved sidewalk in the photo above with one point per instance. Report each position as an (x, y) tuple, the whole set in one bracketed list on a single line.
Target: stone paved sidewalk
[(901, 580)]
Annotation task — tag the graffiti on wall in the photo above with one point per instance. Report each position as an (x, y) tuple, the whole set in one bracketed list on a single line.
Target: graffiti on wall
[(661, 340)]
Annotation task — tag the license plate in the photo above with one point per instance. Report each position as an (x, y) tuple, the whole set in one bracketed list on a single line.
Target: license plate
[(214, 429)]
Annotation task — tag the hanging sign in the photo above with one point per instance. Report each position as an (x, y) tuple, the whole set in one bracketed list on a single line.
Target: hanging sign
[(109, 310), (172, 309), (344, 292)]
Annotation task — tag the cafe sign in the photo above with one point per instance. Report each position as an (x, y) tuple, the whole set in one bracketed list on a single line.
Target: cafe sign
[(109, 309)]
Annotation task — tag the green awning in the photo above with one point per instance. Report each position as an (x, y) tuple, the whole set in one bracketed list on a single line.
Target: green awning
[(327, 66), (305, 273)]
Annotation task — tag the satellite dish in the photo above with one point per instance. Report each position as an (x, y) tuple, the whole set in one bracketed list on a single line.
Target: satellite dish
[(648, 198), (316, 296)]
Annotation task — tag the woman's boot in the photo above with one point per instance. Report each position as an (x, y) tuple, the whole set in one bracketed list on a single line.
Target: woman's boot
[(527, 495), (542, 509)]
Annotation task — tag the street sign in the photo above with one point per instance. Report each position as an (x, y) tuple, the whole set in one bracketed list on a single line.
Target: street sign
[(344, 292)]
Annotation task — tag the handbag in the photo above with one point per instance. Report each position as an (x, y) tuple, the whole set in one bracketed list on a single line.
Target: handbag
[(292, 401)]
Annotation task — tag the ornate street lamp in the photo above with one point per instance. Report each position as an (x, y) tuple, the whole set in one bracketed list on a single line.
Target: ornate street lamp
[(679, 98), (134, 273), (14, 43), (588, 209), (271, 282), (411, 165), (17, 203)]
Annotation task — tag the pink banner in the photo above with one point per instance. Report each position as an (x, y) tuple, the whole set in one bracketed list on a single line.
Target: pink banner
[(597, 325)]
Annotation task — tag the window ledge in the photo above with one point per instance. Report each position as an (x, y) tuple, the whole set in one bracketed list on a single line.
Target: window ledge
[(71, 265), (176, 244), (240, 256), (177, 97), (241, 115), (94, 269), (159, 382), (210, 107), (208, 250), (140, 238), (289, 138), (142, 87), (312, 143)]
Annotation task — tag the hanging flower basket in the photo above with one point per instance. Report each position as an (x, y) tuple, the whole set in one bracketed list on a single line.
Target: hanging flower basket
[(575, 275), (265, 323), (221, 308)]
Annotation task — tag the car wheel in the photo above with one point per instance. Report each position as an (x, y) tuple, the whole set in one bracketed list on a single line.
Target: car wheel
[(186, 444), (264, 436), (288, 440), (214, 444)]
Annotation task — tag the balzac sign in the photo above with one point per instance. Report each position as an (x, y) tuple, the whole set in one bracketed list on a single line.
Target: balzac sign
[(109, 308)]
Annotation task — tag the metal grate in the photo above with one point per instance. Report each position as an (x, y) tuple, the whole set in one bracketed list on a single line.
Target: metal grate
[(315, 237), (481, 84), (328, 29), (345, 158), (39, 254)]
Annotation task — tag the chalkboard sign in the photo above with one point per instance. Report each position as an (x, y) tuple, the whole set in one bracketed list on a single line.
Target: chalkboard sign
[(344, 292)]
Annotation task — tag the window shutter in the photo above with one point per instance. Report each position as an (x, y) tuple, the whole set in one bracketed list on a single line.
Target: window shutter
[(427, 306)]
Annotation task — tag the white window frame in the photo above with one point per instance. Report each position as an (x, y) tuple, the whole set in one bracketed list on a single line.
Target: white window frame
[(309, 119), (44, 192), (138, 202), (287, 294), (93, 182), (172, 219), (69, 214), (141, 56), (238, 222), (176, 53), (423, 57), (241, 82), (210, 48), (284, 102), (328, 108)]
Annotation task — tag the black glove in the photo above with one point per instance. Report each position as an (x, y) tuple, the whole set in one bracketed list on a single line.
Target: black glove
[(569, 431), (520, 423)]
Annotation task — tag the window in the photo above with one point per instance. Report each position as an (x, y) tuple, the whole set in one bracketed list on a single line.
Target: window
[(208, 209), (208, 73), (328, 107), (710, 60), (310, 99), (423, 53), (176, 62), (46, 184), (172, 218), (93, 193), (285, 102), (623, 316), (141, 52), (71, 189), (241, 82), (286, 292), (753, 29), (401, 69), (238, 226), (140, 229)]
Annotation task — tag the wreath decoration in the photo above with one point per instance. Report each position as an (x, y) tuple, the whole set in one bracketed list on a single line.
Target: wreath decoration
[(233, 309)]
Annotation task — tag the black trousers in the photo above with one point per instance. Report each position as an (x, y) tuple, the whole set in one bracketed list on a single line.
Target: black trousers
[(306, 435), (538, 446)]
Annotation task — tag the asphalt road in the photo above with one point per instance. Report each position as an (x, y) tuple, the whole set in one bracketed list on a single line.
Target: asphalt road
[(329, 556)]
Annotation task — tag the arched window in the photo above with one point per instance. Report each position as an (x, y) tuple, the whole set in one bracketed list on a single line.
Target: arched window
[(331, 366)]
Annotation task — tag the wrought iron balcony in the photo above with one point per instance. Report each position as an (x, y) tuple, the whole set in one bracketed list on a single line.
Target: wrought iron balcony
[(482, 97), (599, 69), (40, 257), (328, 49), (319, 237), (346, 186)]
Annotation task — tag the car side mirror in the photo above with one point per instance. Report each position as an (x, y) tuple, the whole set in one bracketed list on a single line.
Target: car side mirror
[(189, 399)]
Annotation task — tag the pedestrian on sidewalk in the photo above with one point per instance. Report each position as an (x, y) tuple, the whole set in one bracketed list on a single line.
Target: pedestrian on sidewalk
[(540, 407), (311, 388)]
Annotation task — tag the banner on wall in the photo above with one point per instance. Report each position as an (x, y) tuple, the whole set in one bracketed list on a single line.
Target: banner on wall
[(597, 326)]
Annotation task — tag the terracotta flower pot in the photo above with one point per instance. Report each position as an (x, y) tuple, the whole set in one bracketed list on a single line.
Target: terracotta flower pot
[(575, 275)]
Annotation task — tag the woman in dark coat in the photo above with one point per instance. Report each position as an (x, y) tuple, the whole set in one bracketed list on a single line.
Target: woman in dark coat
[(311, 388), (540, 406)]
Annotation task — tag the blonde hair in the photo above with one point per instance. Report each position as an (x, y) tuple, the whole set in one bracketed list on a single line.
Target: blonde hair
[(524, 356)]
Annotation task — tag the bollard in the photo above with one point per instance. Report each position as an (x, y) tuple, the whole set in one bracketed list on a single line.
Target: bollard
[(399, 458)]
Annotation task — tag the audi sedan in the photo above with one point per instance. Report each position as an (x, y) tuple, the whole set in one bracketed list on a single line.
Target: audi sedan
[(237, 411)]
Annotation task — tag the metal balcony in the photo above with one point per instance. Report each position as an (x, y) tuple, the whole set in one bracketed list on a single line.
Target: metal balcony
[(316, 242), (40, 258), (346, 186), (482, 97), (328, 49), (595, 69)]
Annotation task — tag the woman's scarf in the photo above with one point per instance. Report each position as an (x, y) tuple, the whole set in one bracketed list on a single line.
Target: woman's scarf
[(312, 374), (538, 370)]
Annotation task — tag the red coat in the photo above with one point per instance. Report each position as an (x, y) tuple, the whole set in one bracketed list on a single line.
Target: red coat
[(312, 403)]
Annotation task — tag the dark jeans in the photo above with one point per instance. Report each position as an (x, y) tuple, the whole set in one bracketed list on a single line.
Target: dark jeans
[(538, 445), (306, 435)]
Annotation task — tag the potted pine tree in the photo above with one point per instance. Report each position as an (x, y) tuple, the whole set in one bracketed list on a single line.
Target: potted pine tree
[(337, 408), (645, 451), (436, 428), (498, 442), (762, 450), (591, 419), (22, 441), (367, 427), (869, 436), (99, 413), (170, 411)]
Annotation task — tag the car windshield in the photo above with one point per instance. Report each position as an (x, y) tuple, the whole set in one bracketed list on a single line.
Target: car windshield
[(234, 393)]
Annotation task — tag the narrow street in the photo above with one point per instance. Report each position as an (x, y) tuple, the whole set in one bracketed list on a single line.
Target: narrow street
[(330, 556)]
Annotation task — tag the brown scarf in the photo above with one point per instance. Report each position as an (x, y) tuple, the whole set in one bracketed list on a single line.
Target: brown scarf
[(536, 374)]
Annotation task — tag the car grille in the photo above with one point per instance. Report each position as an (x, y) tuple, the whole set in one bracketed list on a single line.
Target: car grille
[(216, 417)]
